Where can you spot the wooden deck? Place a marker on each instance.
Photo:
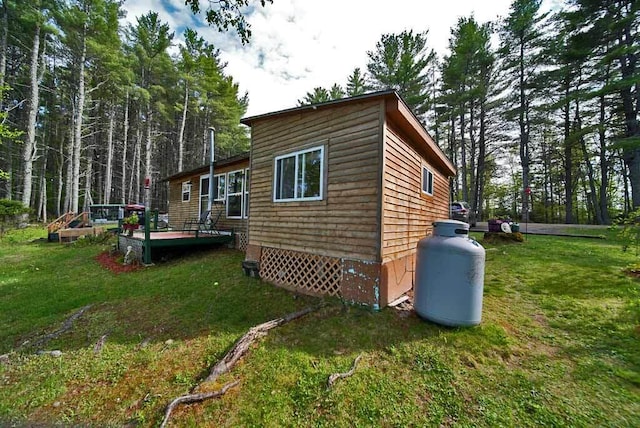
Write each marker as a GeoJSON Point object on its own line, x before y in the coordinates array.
{"type": "Point", "coordinates": [178, 238]}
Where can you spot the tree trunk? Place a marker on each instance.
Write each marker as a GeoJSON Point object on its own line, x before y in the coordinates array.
{"type": "Point", "coordinates": [30, 148]}
{"type": "Point", "coordinates": [42, 202]}
{"type": "Point", "coordinates": [182, 126]}
{"type": "Point", "coordinates": [604, 165]}
{"type": "Point", "coordinates": [134, 185]}
{"type": "Point", "coordinates": [109, 166]}
{"type": "Point", "coordinates": [472, 193]}
{"type": "Point", "coordinates": [463, 157]}
{"type": "Point", "coordinates": [60, 165]}
{"type": "Point", "coordinates": [77, 139]}
{"type": "Point", "coordinates": [524, 138]}
{"type": "Point", "coordinates": [148, 146]}
{"type": "Point", "coordinates": [482, 150]}
{"type": "Point", "coordinates": [3, 48]}
{"type": "Point", "coordinates": [88, 180]}
{"type": "Point", "coordinates": [631, 105]}
{"type": "Point", "coordinates": [568, 159]}
{"type": "Point", "coordinates": [592, 197]}
{"type": "Point", "coordinates": [68, 179]}
{"type": "Point", "coordinates": [125, 148]}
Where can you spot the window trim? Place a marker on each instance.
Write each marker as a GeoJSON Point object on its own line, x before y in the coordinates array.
{"type": "Point", "coordinates": [295, 184]}
{"type": "Point", "coordinates": [240, 194]}
{"type": "Point", "coordinates": [430, 180]}
{"type": "Point", "coordinates": [206, 193]}
{"type": "Point", "coordinates": [245, 202]}
{"type": "Point", "coordinates": [224, 188]}
{"type": "Point", "coordinates": [186, 185]}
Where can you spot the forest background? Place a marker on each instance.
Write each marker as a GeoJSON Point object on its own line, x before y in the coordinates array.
{"type": "Point", "coordinates": [539, 111]}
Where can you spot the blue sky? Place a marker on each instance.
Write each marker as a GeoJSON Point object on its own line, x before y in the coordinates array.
{"type": "Point", "coordinates": [300, 44]}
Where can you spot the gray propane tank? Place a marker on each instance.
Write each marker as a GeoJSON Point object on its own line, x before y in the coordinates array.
{"type": "Point", "coordinates": [449, 275]}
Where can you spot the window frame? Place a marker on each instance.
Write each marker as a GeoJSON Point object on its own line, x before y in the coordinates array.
{"type": "Point", "coordinates": [203, 194]}
{"type": "Point", "coordinates": [296, 171]}
{"type": "Point", "coordinates": [429, 174]}
{"type": "Point", "coordinates": [186, 190]}
{"type": "Point", "coordinates": [245, 195]}
{"type": "Point", "coordinates": [239, 194]}
{"type": "Point", "coordinates": [217, 188]}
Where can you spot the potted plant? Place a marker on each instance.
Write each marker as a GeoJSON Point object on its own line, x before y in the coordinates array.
{"type": "Point", "coordinates": [130, 223]}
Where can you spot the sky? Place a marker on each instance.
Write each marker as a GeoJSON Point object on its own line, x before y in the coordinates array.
{"type": "Point", "coordinates": [297, 45]}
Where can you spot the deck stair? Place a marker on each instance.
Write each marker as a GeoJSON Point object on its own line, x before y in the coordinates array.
{"type": "Point", "coordinates": [69, 225]}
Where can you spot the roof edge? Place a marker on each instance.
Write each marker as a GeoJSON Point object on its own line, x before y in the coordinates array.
{"type": "Point", "coordinates": [371, 95]}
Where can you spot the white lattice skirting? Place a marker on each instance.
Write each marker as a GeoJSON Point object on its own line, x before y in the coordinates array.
{"type": "Point", "coordinates": [309, 273]}
{"type": "Point", "coordinates": [241, 241]}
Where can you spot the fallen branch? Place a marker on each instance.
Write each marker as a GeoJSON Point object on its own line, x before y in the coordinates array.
{"type": "Point", "coordinates": [229, 360]}
{"type": "Point", "coordinates": [195, 398]}
{"type": "Point", "coordinates": [242, 345]}
{"type": "Point", "coordinates": [334, 377]}
{"type": "Point", "coordinates": [97, 348]}
{"type": "Point", "coordinates": [66, 326]}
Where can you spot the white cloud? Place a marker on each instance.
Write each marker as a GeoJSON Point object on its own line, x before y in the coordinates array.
{"type": "Point", "coordinates": [297, 45]}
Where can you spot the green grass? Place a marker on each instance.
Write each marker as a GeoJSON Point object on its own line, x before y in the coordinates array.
{"type": "Point", "coordinates": [558, 345]}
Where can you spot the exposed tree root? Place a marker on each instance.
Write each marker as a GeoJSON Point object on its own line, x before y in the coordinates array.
{"type": "Point", "coordinates": [195, 398]}
{"type": "Point", "coordinates": [66, 326]}
{"type": "Point", "coordinates": [230, 360]}
{"type": "Point", "coordinates": [334, 377]}
{"type": "Point", "coordinates": [242, 345]}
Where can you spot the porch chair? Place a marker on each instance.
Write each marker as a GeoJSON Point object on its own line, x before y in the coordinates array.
{"type": "Point", "coordinates": [201, 224]}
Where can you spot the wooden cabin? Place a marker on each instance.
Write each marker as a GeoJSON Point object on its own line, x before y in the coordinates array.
{"type": "Point", "coordinates": [189, 195]}
{"type": "Point", "coordinates": [341, 192]}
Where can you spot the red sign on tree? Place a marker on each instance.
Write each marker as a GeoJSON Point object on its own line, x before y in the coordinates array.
{"type": "Point", "coordinates": [527, 190]}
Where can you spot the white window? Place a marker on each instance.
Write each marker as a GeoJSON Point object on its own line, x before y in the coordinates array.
{"type": "Point", "coordinates": [299, 176]}
{"type": "Point", "coordinates": [186, 191]}
{"type": "Point", "coordinates": [427, 181]}
{"type": "Point", "coordinates": [219, 188]}
{"type": "Point", "coordinates": [204, 193]}
{"type": "Point", "coordinates": [235, 190]}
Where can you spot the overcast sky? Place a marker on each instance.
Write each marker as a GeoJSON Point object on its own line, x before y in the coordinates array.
{"type": "Point", "coordinates": [301, 44]}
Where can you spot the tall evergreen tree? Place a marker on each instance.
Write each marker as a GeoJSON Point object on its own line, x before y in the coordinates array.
{"type": "Point", "coordinates": [318, 95]}
{"type": "Point", "coordinates": [612, 30]}
{"type": "Point", "coordinates": [521, 39]}
{"type": "Point", "coordinates": [401, 62]}
{"type": "Point", "coordinates": [356, 83]}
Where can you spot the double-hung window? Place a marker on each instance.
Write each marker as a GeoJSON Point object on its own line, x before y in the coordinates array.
{"type": "Point", "coordinates": [299, 176]}
{"type": "Point", "coordinates": [186, 191]}
{"type": "Point", "coordinates": [427, 181]}
{"type": "Point", "coordinates": [204, 193]}
{"type": "Point", "coordinates": [235, 193]}
{"type": "Point", "coordinates": [219, 188]}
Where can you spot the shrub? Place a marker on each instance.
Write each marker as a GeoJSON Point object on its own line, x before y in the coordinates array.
{"type": "Point", "coordinates": [10, 212]}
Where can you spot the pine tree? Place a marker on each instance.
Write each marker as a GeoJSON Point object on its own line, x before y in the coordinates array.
{"type": "Point", "coordinates": [401, 62]}
{"type": "Point", "coordinates": [521, 39]}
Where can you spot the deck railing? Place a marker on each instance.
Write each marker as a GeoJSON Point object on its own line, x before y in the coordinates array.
{"type": "Point", "coordinates": [65, 219]}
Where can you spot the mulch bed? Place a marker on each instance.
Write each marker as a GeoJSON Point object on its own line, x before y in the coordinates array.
{"type": "Point", "coordinates": [113, 262]}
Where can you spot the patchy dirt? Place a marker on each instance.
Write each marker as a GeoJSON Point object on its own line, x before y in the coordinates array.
{"type": "Point", "coordinates": [633, 272]}
{"type": "Point", "coordinates": [113, 262]}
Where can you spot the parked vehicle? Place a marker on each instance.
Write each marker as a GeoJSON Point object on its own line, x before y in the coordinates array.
{"type": "Point", "coordinates": [461, 211]}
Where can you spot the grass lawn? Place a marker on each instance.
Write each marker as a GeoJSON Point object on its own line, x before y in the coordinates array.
{"type": "Point", "coordinates": [559, 344]}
